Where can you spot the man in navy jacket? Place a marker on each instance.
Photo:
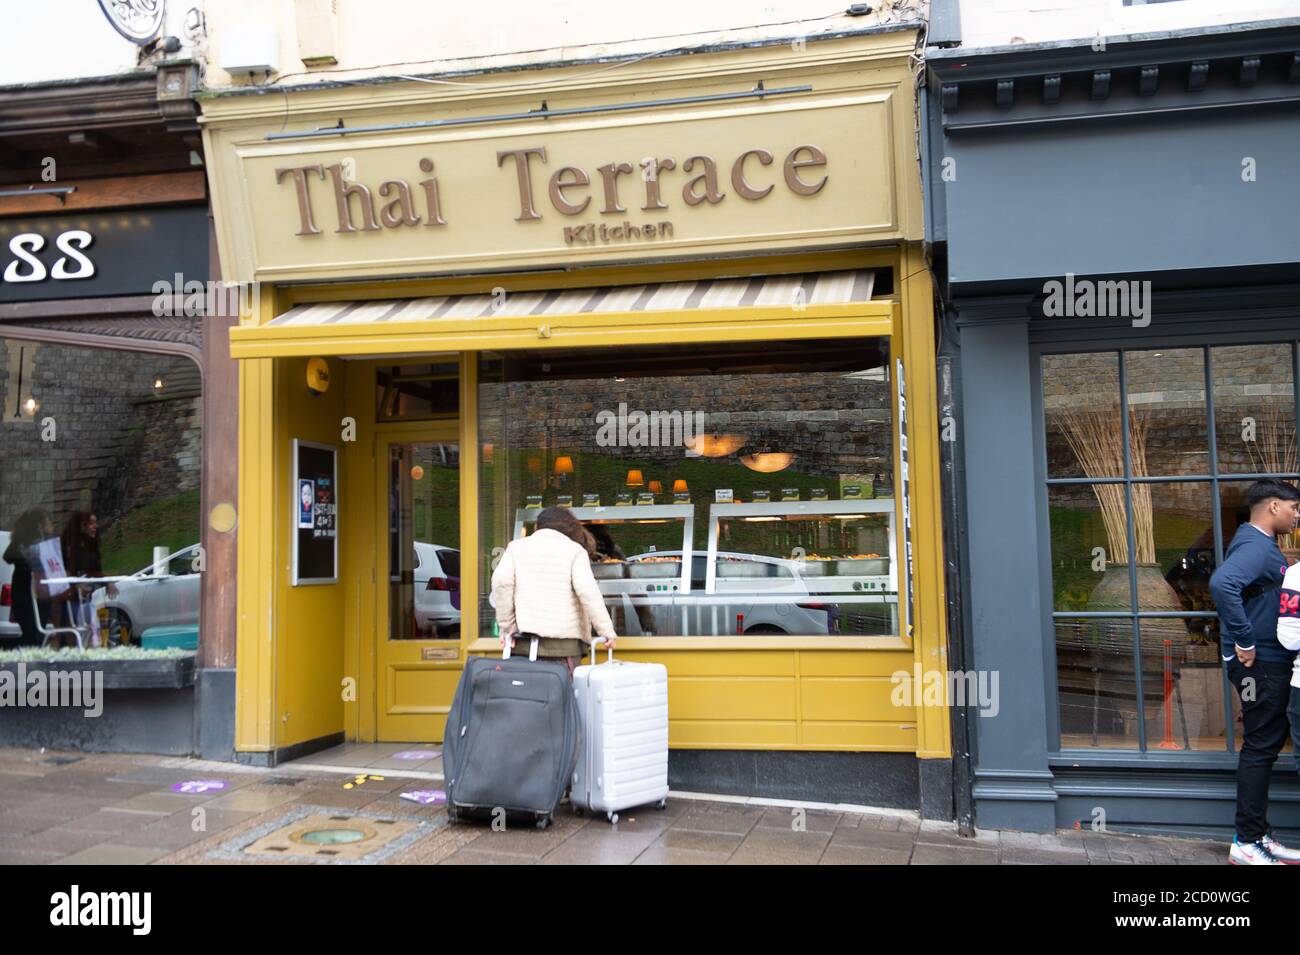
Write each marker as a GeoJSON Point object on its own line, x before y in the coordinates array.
{"type": "Point", "coordinates": [1247, 589]}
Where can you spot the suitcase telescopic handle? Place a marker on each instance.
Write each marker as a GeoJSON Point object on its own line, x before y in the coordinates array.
{"type": "Point", "coordinates": [510, 640]}
{"type": "Point", "coordinates": [608, 648]}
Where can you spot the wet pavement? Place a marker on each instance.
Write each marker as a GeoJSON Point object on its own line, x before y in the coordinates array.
{"type": "Point", "coordinates": [344, 806]}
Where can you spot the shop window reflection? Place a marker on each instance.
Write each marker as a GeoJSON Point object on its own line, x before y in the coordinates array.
{"type": "Point", "coordinates": [732, 489]}
{"type": "Point", "coordinates": [117, 493]}
{"type": "Point", "coordinates": [1142, 669]}
{"type": "Point", "coordinates": [1254, 409]}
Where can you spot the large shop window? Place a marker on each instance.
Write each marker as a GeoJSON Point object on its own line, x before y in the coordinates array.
{"type": "Point", "coordinates": [101, 453]}
{"type": "Point", "coordinates": [731, 489]}
{"type": "Point", "coordinates": [1149, 455]}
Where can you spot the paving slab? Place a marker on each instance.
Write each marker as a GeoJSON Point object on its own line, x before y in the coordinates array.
{"type": "Point", "coordinates": [110, 854]}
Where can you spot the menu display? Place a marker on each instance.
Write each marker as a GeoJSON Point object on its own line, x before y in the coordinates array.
{"type": "Point", "coordinates": [315, 535]}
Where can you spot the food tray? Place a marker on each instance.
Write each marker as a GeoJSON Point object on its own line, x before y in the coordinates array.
{"type": "Point", "coordinates": [745, 568]}
{"type": "Point", "coordinates": [610, 571]}
{"type": "Point", "coordinates": [659, 569]}
{"type": "Point", "coordinates": [862, 567]}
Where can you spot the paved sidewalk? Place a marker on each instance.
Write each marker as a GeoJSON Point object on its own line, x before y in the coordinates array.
{"type": "Point", "coordinates": [60, 807]}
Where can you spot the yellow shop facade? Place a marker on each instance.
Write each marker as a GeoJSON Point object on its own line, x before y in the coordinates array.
{"type": "Point", "coordinates": [684, 296]}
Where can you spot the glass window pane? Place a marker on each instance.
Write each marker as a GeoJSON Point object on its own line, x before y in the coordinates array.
{"type": "Point", "coordinates": [1096, 688]}
{"type": "Point", "coordinates": [1167, 417]}
{"type": "Point", "coordinates": [1089, 544]}
{"type": "Point", "coordinates": [115, 493]}
{"type": "Point", "coordinates": [417, 391]}
{"type": "Point", "coordinates": [1081, 408]}
{"type": "Point", "coordinates": [1254, 409]}
{"type": "Point", "coordinates": [1182, 686]}
{"type": "Point", "coordinates": [1183, 525]}
{"type": "Point", "coordinates": [424, 541]}
{"type": "Point", "coordinates": [783, 457]}
{"type": "Point", "coordinates": [1234, 511]}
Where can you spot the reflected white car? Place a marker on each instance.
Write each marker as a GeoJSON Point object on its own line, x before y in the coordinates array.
{"type": "Point", "coordinates": [9, 631]}
{"type": "Point", "coordinates": [437, 590]}
{"type": "Point", "coordinates": [166, 598]}
{"type": "Point", "coordinates": [779, 603]}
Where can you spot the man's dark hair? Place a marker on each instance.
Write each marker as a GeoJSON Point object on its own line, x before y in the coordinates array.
{"type": "Point", "coordinates": [1261, 491]}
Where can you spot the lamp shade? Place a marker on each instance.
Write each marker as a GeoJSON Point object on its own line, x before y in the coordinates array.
{"type": "Point", "coordinates": [564, 464]}
{"type": "Point", "coordinates": [634, 478]}
{"type": "Point", "coordinates": [679, 486]}
{"type": "Point", "coordinates": [767, 462]}
{"type": "Point", "coordinates": [714, 445]}
{"type": "Point", "coordinates": [656, 487]}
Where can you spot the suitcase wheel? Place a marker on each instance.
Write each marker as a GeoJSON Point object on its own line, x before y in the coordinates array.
{"type": "Point", "coordinates": [662, 804]}
{"type": "Point", "coordinates": [578, 810]}
{"type": "Point", "coordinates": [612, 817]}
{"type": "Point", "coordinates": [543, 821]}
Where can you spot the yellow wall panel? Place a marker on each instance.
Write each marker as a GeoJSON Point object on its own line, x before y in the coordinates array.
{"type": "Point", "coordinates": [851, 698]}
{"type": "Point", "coordinates": [747, 698]}
{"type": "Point", "coordinates": [309, 620]}
{"type": "Point", "coordinates": [723, 734]}
{"type": "Point", "coordinates": [854, 663]}
{"type": "Point", "coordinates": [738, 663]}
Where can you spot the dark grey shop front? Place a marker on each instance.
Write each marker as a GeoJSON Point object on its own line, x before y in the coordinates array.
{"type": "Point", "coordinates": [1115, 233]}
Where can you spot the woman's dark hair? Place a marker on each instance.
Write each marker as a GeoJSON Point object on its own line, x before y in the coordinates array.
{"type": "Point", "coordinates": [27, 529]}
{"type": "Point", "coordinates": [80, 550]}
{"type": "Point", "coordinates": [561, 519]}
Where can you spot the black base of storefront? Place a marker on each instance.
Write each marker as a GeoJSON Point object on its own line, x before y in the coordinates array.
{"type": "Point", "coordinates": [157, 721]}
{"type": "Point", "coordinates": [215, 699]}
{"type": "Point", "coordinates": [1198, 802]}
{"type": "Point", "coordinates": [886, 780]}
{"type": "Point", "coordinates": [275, 757]}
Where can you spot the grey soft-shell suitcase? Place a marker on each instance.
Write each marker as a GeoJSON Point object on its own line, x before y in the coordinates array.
{"type": "Point", "coordinates": [512, 739]}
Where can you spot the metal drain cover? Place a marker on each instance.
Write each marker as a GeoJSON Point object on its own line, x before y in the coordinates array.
{"type": "Point", "coordinates": [332, 837]}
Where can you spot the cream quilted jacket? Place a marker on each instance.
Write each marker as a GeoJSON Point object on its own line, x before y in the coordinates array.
{"type": "Point", "coordinates": [544, 585]}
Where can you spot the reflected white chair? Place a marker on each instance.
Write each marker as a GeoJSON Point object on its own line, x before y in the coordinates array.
{"type": "Point", "coordinates": [48, 630]}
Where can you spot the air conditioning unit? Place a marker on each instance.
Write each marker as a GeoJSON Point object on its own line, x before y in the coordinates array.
{"type": "Point", "coordinates": [250, 51]}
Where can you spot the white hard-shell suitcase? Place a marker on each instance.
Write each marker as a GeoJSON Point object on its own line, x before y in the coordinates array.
{"type": "Point", "coordinates": [623, 754]}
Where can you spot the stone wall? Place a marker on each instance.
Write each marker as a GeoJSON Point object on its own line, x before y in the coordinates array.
{"type": "Point", "coordinates": [833, 424]}
{"type": "Point", "coordinates": [1253, 404]}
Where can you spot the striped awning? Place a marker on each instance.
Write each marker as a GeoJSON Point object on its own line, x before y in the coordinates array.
{"type": "Point", "coordinates": [803, 289]}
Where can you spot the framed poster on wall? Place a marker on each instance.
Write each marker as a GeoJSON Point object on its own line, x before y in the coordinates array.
{"type": "Point", "coordinates": [315, 510]}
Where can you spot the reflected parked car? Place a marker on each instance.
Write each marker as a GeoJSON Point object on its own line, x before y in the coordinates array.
{"type": "Point", "coordinates": [167, 597]}
{"type": "Point", "coordinates": [775, 600]}
{"type": "Point", "coordinates": [437, 590]}
{"type": "Point", "coordinates": [9, 631]}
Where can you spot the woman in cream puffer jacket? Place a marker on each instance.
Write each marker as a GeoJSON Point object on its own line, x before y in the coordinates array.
{"type": "Point", "coordinates": [543, 586]}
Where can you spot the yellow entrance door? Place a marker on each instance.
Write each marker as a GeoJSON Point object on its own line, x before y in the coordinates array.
{"type": "Point", "coordinates": [419, 600]}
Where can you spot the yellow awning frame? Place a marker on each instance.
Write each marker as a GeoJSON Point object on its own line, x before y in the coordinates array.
{"type": "Point", "coordinates": [259, 336]}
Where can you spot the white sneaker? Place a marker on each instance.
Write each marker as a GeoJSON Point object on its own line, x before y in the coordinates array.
{"type": "Point", "coordinates": [1280, 852]}
{"type": "Point", "coordinates": [1251, 853]}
